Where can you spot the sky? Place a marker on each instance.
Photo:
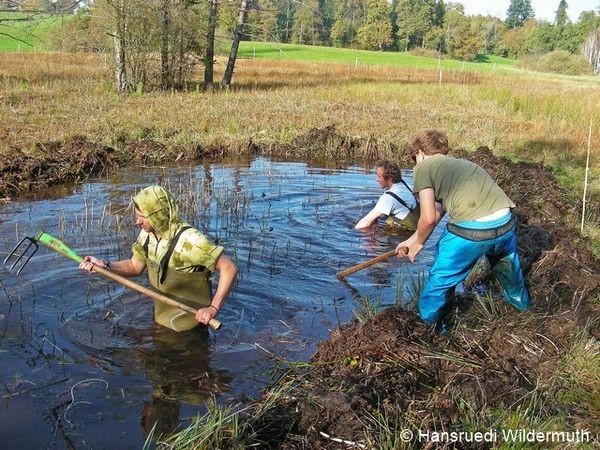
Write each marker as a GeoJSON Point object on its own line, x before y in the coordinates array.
{"type": "Point", "coordinates": [543, 9]}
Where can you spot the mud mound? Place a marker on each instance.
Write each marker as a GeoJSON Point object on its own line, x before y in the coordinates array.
{"type": "Point", "coordinates": [493, 359]}
{"type": "Point", "coordinates": [327, 141]}
{"type": "Point", "coordinates": [151, 152]}
{"type": "Point", "coordinates": [532, 187]}
{"type": "Point", "coordinates": [56, 162]}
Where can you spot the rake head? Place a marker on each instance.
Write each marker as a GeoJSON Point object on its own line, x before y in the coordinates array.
{"type": "Point", "coordinates": [21, 254]}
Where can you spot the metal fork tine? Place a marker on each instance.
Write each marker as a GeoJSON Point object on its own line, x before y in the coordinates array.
{"type": "Point", "coordinates": [19, 256]}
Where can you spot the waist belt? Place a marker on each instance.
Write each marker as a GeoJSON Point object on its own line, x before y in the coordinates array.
{"type": "Point", "coordinates": [482, 235]}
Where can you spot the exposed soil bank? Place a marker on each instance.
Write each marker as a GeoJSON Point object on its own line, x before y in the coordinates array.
{"type": "Point", "coordinates": [77, 158]}
{"type": "Point", "coordinates": [495, 362]}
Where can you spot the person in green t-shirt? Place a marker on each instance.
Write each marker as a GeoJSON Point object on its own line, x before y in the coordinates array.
{"type": "Point", "coordinates": [180, 261]}
{"type": "Point", "coordinates": [480, 223]}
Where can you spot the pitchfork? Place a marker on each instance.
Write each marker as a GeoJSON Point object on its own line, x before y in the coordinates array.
{"type": "Point", "coordinates": [25, 250]}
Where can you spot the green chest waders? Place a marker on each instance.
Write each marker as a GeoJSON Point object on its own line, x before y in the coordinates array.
{"type": "Point", "coordinates": [412, 218]}
{"type": "Point", "coordinates": [408, 223]}
{"type": "Point", "coordinates": [192, 289]}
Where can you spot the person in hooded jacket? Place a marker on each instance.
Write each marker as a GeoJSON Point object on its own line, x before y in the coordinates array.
{"type": "Point", "coordinates": [179, 259]}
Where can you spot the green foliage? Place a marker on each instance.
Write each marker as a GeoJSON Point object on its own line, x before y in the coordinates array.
{"type": "Point", "coordinates": [368, 307]}
{"type": "Point", "coordinates": [375, 36]}
{"type": "Point", "coordinates": [414, 19]}
{"type": "Point", "coordinates": [348, 17]}
{"type": "Point", "coordinates": [376, 33]}
{"type": "Point", "coordinates": [307, 23]}
{"type": "Point", "coordinates": [518, 41]}
{"type": "Point", "coordinates": [519, 12]}
{"type": "Point", "coordinates": [559, 61]}
{"type": "Point", "coordinates": [561, 14]}
{"type": "Point", "coordinates": [262, 23]}
{"type": "Point", "coordinates": [461, 40]}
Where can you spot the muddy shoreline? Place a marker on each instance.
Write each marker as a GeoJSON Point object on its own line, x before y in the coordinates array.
{"type": "Point", "coordinates": [76, 158]}
{"type": "Point", "coordinates": [495, 359]}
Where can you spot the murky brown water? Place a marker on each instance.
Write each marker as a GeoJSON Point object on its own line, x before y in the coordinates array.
{"type": "Point", "coordinates": [82, 364]}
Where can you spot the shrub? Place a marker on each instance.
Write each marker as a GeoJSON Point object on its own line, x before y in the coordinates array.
{"type": "Point", "coordinates": [428, 53]}
{"type": "Point", "coordinates": [559, 61]}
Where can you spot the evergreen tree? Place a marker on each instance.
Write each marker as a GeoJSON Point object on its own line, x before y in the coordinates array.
{"type": "Point", "coordinates": [561, 14]}
{"type": "Point", "coordinates": [349, 16]}
{"type": "Point", "coordinates": [519, 11]}
{"type": "Point", "coordinates": [327, 8]}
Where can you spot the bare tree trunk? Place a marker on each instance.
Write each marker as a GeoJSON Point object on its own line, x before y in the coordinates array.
{"type": "Point", "coordinates": [165, 72]}
{"type": "Point", "coordinates": [120, 49]}
{"type": "Point", "coordinates": [182, 61]}
{"type": "Point", "coordinates": [591, 49]}
{"type": "Point", "coordinates": [237, 36]}
{"type": "Point", "coordinates": [209, 58]}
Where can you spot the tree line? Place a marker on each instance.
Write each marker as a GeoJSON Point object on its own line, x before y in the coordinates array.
{"type": "Point", "coordinates": [158, 42]}
{"type": "Point", "coordinates": [405, 25]}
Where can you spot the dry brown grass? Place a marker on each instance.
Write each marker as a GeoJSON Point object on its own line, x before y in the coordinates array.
{"type": "Point", "coordinates": [48, 97]}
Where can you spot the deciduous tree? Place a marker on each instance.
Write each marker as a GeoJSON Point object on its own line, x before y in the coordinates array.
{"type": "Point", "coordinates": [308, 23]}
{"type": "Point", "coordinates": [376, 33]}
{"type": "Point", "coordinates": [414, 19]}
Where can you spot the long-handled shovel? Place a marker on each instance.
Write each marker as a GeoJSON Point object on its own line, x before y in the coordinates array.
{"type": "Point", "coordinates": [344, 273]}
{"type": "Point", "coordinates": [28, 246]}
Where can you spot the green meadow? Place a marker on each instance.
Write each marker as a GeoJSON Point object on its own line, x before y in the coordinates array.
{"type": "Point", "coordinates": [309, 53]}
{"type": "Point", "coordinates": [24, 32]}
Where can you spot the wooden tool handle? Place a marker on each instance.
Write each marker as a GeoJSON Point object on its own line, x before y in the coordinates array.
{"type": "Point", "coordinates": [370, 262]}
{"type": "Point", "coordinates": [213, 323]}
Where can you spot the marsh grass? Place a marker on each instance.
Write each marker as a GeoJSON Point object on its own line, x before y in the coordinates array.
{"type": "Point", "coordinates": [367, 307]}
{"type": "Point", "coordinates": [578, 375]}
{"type": "Point", "coordinates": [409, 288]}
{"type": "Point", "coordinates": [384, 432]}
{"type": "Point", "coordinates": [47, 97]}
{"type": "Point", "coordinates": [224, 426]}
{"type": "Point", "coordinates": [217, 428]}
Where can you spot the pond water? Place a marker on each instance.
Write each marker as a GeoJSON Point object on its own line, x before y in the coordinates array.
{"type": "Point", "coordinates": [82, 364]}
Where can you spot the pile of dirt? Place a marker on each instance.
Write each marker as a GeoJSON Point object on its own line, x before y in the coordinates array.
{"type": "Point", "coordinates": [76, 159]}
{"type": "Point", "coordinates": [492, 360]}
{"type": "Point", "coordinates": [328, 141]}
{"type": "Point", "coordinates": [55, 162]}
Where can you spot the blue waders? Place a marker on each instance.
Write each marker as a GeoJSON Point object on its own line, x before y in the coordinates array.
{"type": "Point", "coordinates": [456, 257]}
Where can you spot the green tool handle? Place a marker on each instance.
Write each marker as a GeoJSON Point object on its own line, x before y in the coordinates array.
{"type": "Point", "coordinates": [58, 246]}
{"type": "Point", "coordinates": [63, 249]}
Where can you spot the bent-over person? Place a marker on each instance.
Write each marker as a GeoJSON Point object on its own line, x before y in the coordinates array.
{"type": "Point", "coordinates": [397, 203]}
{"type": "Point", "coordinates": [480, 223]}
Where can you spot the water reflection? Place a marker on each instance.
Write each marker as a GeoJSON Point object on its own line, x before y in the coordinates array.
{"type": "Point", "coordinates": [178, 368]}
{"type": "Point", "coordinates": [287, 226]}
